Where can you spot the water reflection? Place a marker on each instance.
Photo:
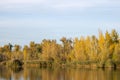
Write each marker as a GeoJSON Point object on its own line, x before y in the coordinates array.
{"type": "Point", "coordinates": [58, 74]}
{"type": "Point", "coordinates": [16, 70]}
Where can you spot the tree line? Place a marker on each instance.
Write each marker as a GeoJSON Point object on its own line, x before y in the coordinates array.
{"type": "Point", "coordinates": [90, 49]}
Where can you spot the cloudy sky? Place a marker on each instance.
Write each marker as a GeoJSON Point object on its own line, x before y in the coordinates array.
{"type": "Point", "coordinates": [22, 21]}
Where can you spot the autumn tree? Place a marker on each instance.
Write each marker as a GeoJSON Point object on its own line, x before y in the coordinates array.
{"type": "Point", "coordinates": [79, 49]}
{"type": "Point", "coordinates": [17, 53]}
{"type": "Point", "coordinates": [25, 52]}
{"type": "Point", "coordinates": [7, 52]}
{"type": "Point", "coordinates": [50, 50]}
{"type": "Point", "coordinates": [116, 54]}
{"type": "Point", "coordinates": [66, 48]}
{"type": "Point", "coordinates": [102, 49]}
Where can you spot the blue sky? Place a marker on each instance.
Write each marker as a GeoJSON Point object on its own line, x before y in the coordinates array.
{"type": "Point", "coordinates": [22, 21]}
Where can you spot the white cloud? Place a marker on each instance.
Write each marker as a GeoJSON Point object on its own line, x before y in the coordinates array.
{"type": "Point", "coordinates": [22, 23]}
{"type": "Point", "coordinates": [78, 4]}
{"type": "Point", "coordinates": [56, 4]}
{"type": "Point", "coordinates": [21, 1]}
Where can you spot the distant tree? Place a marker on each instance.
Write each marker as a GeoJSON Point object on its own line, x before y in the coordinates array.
{"type": "Point", "coordinates": [79, 47]}
{"type": "Point", "coordinates": [50, 49]}
{"type": "Point", "coordinates": [94, 48]}
{"type": "Point", "coordinates": [17, 53]}
{"type": "Point", "coordinates": [17, 48]}
{"type": "Point", "coordinates": [66, 48]}
{"type": "Point", "coordinates": [10, 46]}
{"type": "Point", "coordinates": [7, 52]}
{"type": "Point", "coordinates": [25, 52]}
{"type": "Point", "coordinates": [32, 50]}
{"type": "Point", "coordinates": [102, 49]}
{"type": "Point", "coordinates": [116, 55]}
{"type": "Point", "coordinates": [114, 36]}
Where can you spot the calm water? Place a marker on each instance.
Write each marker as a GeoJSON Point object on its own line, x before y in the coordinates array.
{"type": "Point", "coordinates": [58, 74]}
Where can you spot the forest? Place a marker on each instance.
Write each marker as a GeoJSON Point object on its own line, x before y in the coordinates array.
{"type": "Point", "coordinates": [100, 51]}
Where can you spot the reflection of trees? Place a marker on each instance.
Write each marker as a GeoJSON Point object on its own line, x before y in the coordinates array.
{"type": "Point", "coordinates": [16, 69]}
{"type": "Point", "coordinates": [58, 74]}
{"type": "Point", "coordinates": [32, 73]}
{"type": "Point", "coordinates": [17, 73]}
{"type": "Point", "coordinates": [5, 73]}
{"type": "Point", "coordinates": [70, 74]}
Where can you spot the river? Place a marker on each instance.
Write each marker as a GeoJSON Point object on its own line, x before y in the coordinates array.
{"type": "Point", "coordinates": [58, 74]}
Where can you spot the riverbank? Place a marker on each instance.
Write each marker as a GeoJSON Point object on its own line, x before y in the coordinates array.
{"type": "Point", "coordinates": [52, 64]}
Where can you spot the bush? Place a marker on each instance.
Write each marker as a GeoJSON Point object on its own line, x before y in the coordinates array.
{"type": "Point", "coordinates": [110, 64]}
{"type": "Point", "coordinates": [16, 63]}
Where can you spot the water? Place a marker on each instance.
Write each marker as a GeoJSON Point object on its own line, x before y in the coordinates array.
{"type": "Point", "coordinates": [58, 74]}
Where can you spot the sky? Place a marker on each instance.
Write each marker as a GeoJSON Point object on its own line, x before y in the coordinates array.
{"type": "Point", "coordinates": [22, 21]}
